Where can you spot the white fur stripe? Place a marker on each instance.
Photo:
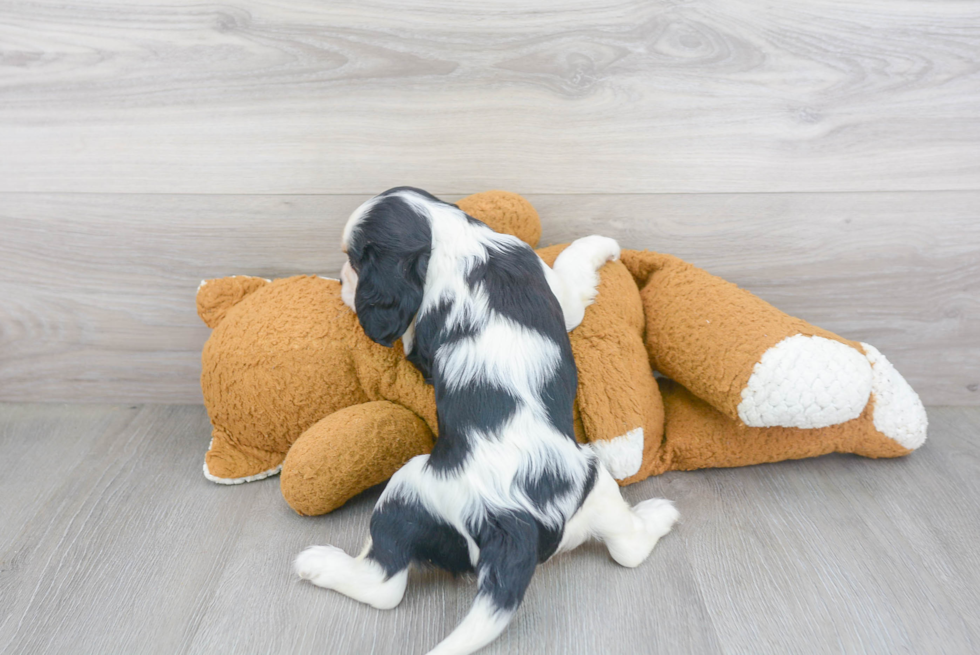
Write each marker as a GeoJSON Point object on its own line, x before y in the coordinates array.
{"type": "Point", "coordinates": [622, 455]}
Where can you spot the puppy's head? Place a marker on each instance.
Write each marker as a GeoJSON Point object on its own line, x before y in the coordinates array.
{"type": "Point", "coordinates": [388, 241]}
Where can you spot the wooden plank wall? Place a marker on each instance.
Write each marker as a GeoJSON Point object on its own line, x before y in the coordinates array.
{"type": "Point", "coordinates": [824, 154]}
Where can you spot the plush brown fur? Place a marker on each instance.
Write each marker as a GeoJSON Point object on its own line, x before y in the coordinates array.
{"type": "Point", "coordinates": [387, 435]}
{"type": "Point", "coordinates": [290, 378]}
{"type": "Point", "coordinates": [700, 436]}
{"type": "Point", "coordinates": [707, 333]}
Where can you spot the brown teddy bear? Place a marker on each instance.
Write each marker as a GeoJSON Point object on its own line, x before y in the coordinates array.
{"type": "Point", "coordinates": [292, 383]}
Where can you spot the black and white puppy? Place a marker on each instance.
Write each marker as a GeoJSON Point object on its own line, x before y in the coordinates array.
{"type": "Point", "coordinates": [506, 485]}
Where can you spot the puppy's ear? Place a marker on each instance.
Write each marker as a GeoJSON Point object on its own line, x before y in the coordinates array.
{"type": "Point", "coordinates": [389, 292]}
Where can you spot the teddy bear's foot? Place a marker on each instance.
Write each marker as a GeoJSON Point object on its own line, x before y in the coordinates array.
{"type": "Point", "coordinates": [622, 455]}
{"type": "Point", "coordinates": [261, 475]}
{"type": "Point", "coordinates": [806, 382]}
{"type": "Point", "coordinates": [898, 411]}
{"type": "Point", "coordinates": [228, 463]}
{"type": "Point", "coordinates": [359, 578]}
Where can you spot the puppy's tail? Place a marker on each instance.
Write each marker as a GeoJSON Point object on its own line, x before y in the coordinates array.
{"type": "Point", "coordinates": [508, 556]}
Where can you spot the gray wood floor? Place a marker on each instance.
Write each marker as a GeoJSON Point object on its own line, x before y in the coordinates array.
{"type": "Point", "coordinates": [112, 541]}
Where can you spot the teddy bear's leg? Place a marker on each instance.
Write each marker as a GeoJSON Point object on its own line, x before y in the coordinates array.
{"type": "Point", "coordinates": [349, 451]}
{"type": "Point", "coordinates": [699, 436]}
{"type": "Point", "coordinates": [574, 279]}
{"type": "Point", "coordinates": [742, 355]}
{"type": "Point", "coordinates": [229, 463]}
{"type": "Point", "coordinates": [630, 533]}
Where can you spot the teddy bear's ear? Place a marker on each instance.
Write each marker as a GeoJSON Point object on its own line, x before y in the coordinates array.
{"type": "Point", "coordinates": [505, 212]}
{"type": "Point", "coordinates": [216, 297]}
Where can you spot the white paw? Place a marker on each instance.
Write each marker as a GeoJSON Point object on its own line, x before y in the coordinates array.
{"type": "Point", "coordinates": [597, 250]}
{"type": "Point", "coordinates": [658, 515]}
{"type": "Point", "coordinates": [652, 519]}
{"type": "Point", "coordinates": [579, 263]}
{"type": "Point", "coordinates": [321, 565]}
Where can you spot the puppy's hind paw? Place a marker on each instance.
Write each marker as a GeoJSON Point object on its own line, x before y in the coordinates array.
{"type": "Point", "coordinates": [652, 519]}
{"type": "Point", "coordinates": [658, 516]}
{"type": "Point", "coordinates": [321, 565]}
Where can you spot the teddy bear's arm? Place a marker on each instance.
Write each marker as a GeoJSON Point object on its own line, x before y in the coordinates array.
{"type": "Point", "coordinates": [215, 297]}
{"type": "Point", "coordinates": [349, 451]}
{"type": "Point", "coordinates": [618, 402]}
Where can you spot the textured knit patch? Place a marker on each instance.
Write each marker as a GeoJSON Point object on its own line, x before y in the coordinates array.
{"type": "Point", "coordinates": [899, 413]}
{"type": "Point", "coordinates": [806, 382]}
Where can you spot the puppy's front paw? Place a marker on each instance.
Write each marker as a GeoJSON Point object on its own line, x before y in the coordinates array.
{"type": "Point", "coordinates": [321, 565]}
{"type": "Point", "coordinates": [578, 265]}
{"type": "Point", "coordinates": [597, 250]}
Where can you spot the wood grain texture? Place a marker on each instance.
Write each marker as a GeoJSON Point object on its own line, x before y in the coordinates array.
{"type": "Point", "coordinates": [127, 548]}
{"type": "Point", "coordinates": [299, 96]}
{"type": "Point", "coordinates": [27, 436]}
{"type": "Point", "coordinates": [122, 556]}
{"type": "Point", "coordinates": [99, 289]}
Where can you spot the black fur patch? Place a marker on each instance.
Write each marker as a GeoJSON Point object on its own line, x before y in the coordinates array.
{"type": "Point", "coordinates": [508, 542]}
{"type": "Point", "coordinates": [389, 250]}
{"type": "Point", "coordinates": [430, 334]}
{"type": "Point", "coordinates": [544, 490]}
{"type": "Point", "coordinates": [516, 287]}
{"type": "Point", "coordinates": [475, 406]}
{"type": "Point", "coordinates": [558, 393]}
{"type": "Point", "coordinates": [589, 481]}
{"type": "Point", "coordinates": [403, 531]}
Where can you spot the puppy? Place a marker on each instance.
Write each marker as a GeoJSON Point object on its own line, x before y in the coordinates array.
{"type": "Point", "coordinates": [506, 485]}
